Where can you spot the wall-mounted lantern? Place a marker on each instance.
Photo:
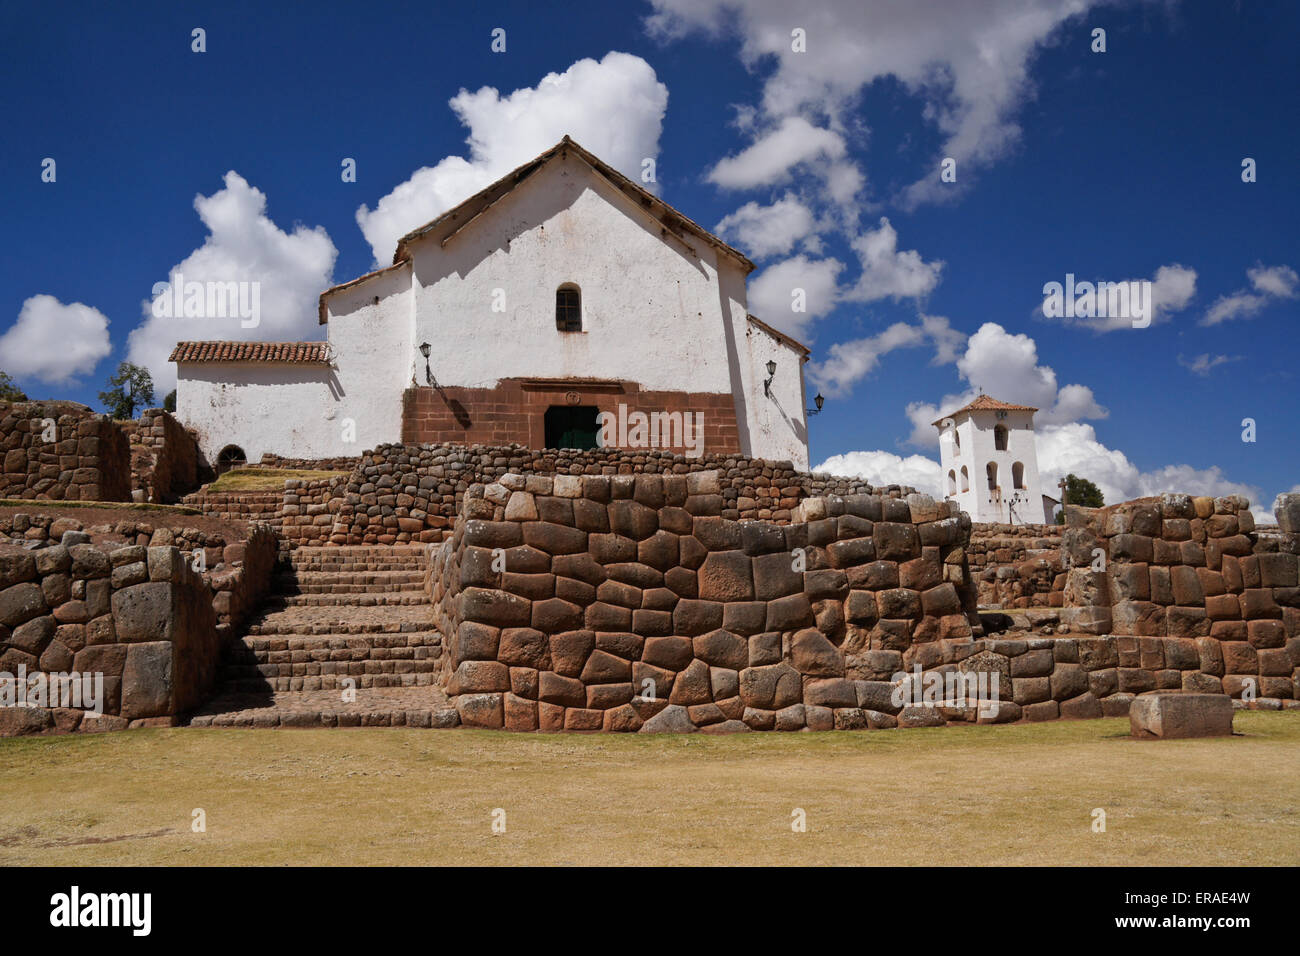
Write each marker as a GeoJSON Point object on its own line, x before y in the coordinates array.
{"type": "Point", "coordinates": [818, 401]}
{"type": "Point", "coordinates": [771, 374]}
{"type": "Point", "coordinates": [428, 374]}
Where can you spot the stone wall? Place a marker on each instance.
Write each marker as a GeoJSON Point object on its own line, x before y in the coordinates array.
{"type": "Point", "coordinates": [403, 493]}
{"type": "Point", "coordinates": [62, 451]}
{"type": "Point", "coordinates": [1017, 566]}
{"type": "Point", "coordinates": [165, 459]}
{"type": "Point", "coordinates": [139, 616]}
{"type": "Point", "coordinates": [630, 602]}
{"type": "Point", "coordinates": [270, 460]}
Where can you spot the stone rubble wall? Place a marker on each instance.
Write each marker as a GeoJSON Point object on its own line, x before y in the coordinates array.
{"type": "Point", "coordinates": [138, 615]}
{"type": "Point", "coordinates": [405, 493]}
{"type": "Point", "coordinates": [88, 459]}
{"type": "Point", "coordinates": [565, 598]}
{"type": "Point", "coordinates": [166, 462]}
{"type": "Point", "coordinates": [1018, 566]}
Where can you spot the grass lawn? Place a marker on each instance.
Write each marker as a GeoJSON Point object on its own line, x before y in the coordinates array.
{"type": "Point", "coordinates": [38, 505]}
{"type": "Point", "coordinates": [267, 479]}
{"type": "Point", "coordinates": [1020, 794]}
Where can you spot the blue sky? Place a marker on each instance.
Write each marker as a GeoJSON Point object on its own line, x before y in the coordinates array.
{"type": "Point", "coordinates": [1113, 166]}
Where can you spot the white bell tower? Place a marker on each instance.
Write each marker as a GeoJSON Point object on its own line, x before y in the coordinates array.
{"type": "Point", "coordinates": [990, 466]}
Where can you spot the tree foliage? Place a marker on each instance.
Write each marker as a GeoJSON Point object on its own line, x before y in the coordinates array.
{"type": "Point", "coordinates": [1080, 491]}
{"type": "Point", "coordinates": [130, 389]}
{"type": "Point", "coordinates": [9, 392]}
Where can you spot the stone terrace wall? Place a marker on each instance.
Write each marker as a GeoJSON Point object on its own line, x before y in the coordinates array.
{"type": "Point", "coordinates": [86, 458]}
{"type": "Point", "coordinates": [402, 493]}
{"type": "Point", "coordinates": [613, 585]}
{"type": "Point", "coordinates": [1193, 569]}
{"type": "Point", "coordinates": [139, 616]}
{"type": "Point", "coordinates": [165, 459]}
{"type": "Point", "coordinates": [270, 460]}
{"type": "Point", "coordinates": [1018, 566]}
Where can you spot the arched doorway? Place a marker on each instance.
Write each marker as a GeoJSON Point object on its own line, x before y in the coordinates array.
{"type": "Point", "coordinates": [232, 456]}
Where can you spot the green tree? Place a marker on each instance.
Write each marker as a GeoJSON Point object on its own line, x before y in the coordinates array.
{"type": "Point", "coordinates": [1080, 491]}
{"type": "Point", "coordinates": [9, 392]}
{"type": "Point", "coordinates": [169, 403]}
{"type": "Point", "coordinates": [130, 389]}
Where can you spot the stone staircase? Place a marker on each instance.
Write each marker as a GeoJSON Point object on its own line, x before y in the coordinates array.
{"type": "Point", "coordinates": [338, 619]}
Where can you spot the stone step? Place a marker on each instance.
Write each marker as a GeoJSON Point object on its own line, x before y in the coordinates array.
{"type": "Point", "coordinates": [367, 576]}
{"type": "Point", "coordinates": [290, 587]}
{"type": "Point", "coordinates": [347, 646]}
{"type": "Point", "coordinates": [334, 670]}
{"type": "Point", "coordinates": [375, 705]}
{"type": "Point", "coordinates": [383, 599]}
{"type": "Point", "coordinates": [345, 619]}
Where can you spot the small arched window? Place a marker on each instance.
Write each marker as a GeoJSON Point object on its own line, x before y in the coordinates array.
{"type": "Point", "coordinates": [1000, 438]}
{"type": "Point", "coordinates": [965, 479]}
{"type": "Point", "coordinates": [992, 470]}
{"type": "Point", "coordinates": [1018, 475]}
{"type": "Point", "coordinates": [568, 308]}
{"type": "Point", "coordinates": [952, 482]}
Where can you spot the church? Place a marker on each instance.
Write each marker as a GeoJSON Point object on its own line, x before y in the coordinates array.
{"type": "Point", "coordinates": [560, 299]}
{"type": "Point", "coordinates": [990, 463]}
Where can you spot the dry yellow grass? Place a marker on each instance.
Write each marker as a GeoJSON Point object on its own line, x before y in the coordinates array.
{"type": "Point", "coordinates": [1021, 794]}
{"type": "Point", "coordinates": [266, 479]}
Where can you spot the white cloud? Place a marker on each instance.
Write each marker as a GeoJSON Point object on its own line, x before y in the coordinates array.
{"type": "Point", "coordinates": [886, 468]}
{"type": "Point", "coordinates": [848, 362]}
{"type": "Point", "coordinates": [613, 107]}
{"type": "Point", "coordinates": [291, 269]}
{"type": "Point", "coordinates": [771, 292]}
{"type": "Point", "coordinates": [771, 158]}
{"type": "Point", "coordinates": [968, 63]}
{"type": "Point", "coordinates": [54, 343]}
{"type": "Point", "coordinates": [1172, 288]}
{"type": "Point", "coordinates": [1203, 363]}
{"type": "Point", "coordinates": [762, 231]}
{"type": "Point", "coordinates": [1277, 281]}
{"type": "Point", "coordinates": [1271, 283]}
{"type": "Point", "coordinates": [888, 273]}
{"type": "Point", "coordinates": [1075, 448]}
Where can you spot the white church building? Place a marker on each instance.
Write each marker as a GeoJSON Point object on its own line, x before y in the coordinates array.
{"type": "Point", "coordinates": [561, 291]}
{"type": "Point", "coordinates": [989, 462]}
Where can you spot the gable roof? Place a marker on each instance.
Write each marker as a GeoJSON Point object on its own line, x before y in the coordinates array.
{"type": "Point", "coordinates": [780, 336]}
{"type": "Point", "coordinates": [984, 403]}
{"type": "Point", "coordinates": [669, 217]}
{"type": "Point", "coordinates": [294, 353]}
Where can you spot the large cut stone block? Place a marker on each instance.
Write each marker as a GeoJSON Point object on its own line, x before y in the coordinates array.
{"type": "Point", "coordinates": [1181, 715]}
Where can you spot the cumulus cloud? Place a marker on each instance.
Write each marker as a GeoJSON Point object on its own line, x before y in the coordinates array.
{"type": "Point", "coordinates": [790, 144]}
{"type": "Point", "coordinates": [1271, 283]}
{"type": "Point", "coordinates": [1006, 366]}
{"type": "Point", "coordinates": [967, 63]}
{"type": "Point", "coordinates": [54, 343]}
{"type": "Point", "coordinates": [763, 231]}
{"type": "Point", "coordinates": [1172, 288]}
{"type": "Point", "coordinates": [288, 270]}
{"type": "Point", "coordinates": [773, 292]}
{"type": "Point", "coordinates": [888, 273]}
{"type": "Point", "coordinates": [849, 362]}
{"type": "Point", "coordinates": [613, 107]}
{"type": "Point", "coordinates": [886, 468]}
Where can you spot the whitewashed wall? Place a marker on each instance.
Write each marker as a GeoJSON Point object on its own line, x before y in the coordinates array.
{"type": "Point", "coordinates": [977, 448]}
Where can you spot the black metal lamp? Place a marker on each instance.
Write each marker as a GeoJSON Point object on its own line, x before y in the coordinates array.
{"type": "Point", "coordinates": [819, 401]}
{"type": "Point", "coordinates": [428, 374]}
{"type": "Point", "coordinates": [771, 374]}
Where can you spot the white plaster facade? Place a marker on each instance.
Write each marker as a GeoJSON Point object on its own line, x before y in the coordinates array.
{"type": "Point", "coordinates": [663, 305]}
{"type": "Point", "coordinates": [990, 464]}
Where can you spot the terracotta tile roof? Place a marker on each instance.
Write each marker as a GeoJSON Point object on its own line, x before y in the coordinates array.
{"type": "Point", "coordinates": [984, 403]}
{"type": "Point", "coordinates": [298, 353]}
